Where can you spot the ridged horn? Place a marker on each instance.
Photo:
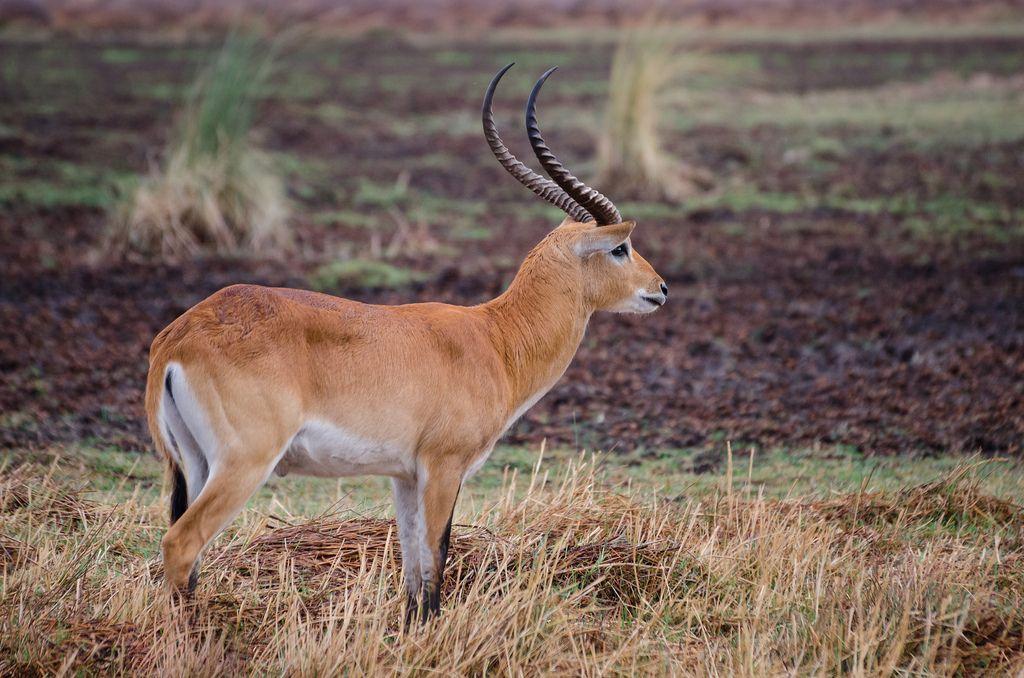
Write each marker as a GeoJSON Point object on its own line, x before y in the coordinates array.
{"type": "Point", "coordinates": [601, 207]}
{"type": "Point", "coordinates": [545, 188]}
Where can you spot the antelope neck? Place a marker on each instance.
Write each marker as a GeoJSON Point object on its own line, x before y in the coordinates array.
{"type": "Point", "coordinates": [536, 325]}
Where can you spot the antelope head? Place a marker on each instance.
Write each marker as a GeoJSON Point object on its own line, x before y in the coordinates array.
{"type": "Point", "coordinates": [592, 245]}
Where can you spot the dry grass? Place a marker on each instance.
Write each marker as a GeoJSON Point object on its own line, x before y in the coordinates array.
{"type": "Point", "coordinates": [217, 192]}
{"type": "Point", "coordinates": [633, 161]}
{"type": "Point", "coordinates": [564, 575]}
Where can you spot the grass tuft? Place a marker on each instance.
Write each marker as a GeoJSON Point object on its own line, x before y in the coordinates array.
{"type": "Point", "coordinates": [217, 192]}
{"type": "Point", "coordinates": [633, 162]}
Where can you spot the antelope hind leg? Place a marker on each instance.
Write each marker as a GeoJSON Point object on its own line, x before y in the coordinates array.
{"type": "Point", "coordinates": [221, 500]}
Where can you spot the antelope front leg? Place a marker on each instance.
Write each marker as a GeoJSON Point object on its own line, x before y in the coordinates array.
{"type": "Point", "coordinates": [439, 486]}
{"type": "Point", "coordinates": [407, 515]}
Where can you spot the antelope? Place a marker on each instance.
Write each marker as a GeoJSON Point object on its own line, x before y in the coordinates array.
{"type": "Point", "coordinates": [256, 380]}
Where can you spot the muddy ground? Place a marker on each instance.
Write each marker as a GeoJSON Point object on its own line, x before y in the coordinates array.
{"type": "Point", "coordinates": [791, 322]}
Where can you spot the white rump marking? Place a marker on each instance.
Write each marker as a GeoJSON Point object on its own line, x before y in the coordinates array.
{"type": "Point", "coordinates": [182, 420]}
{"type": "Point", "coordinates": [192, 412]}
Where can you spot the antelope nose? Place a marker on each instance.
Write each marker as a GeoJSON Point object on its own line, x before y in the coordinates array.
{"type": "Point", "coordinates": [664, 289]}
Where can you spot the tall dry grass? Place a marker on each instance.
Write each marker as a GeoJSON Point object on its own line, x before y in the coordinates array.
{"type": "Point", "coordinates": [562, 575]}
{"type": "Point", "coordinates": [632, 158]}
{"type": "Point", "coordinates": [216, 191]}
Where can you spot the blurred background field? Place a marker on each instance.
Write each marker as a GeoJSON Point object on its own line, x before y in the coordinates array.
{"type": "Point", "coordinates": [850, 274]}
{"type": "Point", "coordinates": [843, 237]}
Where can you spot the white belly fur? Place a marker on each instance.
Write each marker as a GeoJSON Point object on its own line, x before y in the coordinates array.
{"type": "Point", "coordinates": [323, 449]}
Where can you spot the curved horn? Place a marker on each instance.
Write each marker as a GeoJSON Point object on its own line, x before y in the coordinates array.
{"type": "Point", "coordinates": [545, 188]}
{"type": "Point", "coordinates": [595, 203]}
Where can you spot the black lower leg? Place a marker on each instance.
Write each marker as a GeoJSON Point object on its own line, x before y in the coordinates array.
{"type": "Point", "coordinates": [193, 577]}
{"type": "Point", "coordinates": [445, 539]}
{"type": "Point", "coordinates": [412, 606]}
{"type": "Point", "coordinates": [430, 600]}
{"type": "Point", "coordinates": [432, 590]}
{"type": "Point", "coordinates": [426, 603]}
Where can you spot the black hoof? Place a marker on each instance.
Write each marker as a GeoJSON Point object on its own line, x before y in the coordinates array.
{"type": "Point", "coordinates": [423, 607]}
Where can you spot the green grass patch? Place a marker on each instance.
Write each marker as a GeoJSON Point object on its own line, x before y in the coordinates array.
{"type": "Point", "coordinates": [906, 29]}
{"type": "Point", "coordinates": [933, 113]}
{"type": "Point", "coordinates": [121, 55]}
{"type": "Point", "coordinates": [450, 57]}
{"type": "Point", "coordinates": [58, 183]}
{"type": "Point", "coordinates": [348, 218]}
{"type": "Point", "coordinates": [366, 273]}
{"type": "Point", "coordinates": [160, 91]}
{"type": "Point", "coordinates": [41, 193]}
{"type": "Point", "coordinates": [817, 474]}
{"type": "Point", "coordinates": [777, 473]}
{"type": "Point", "coordinates": [385, 194]}
{"type": "Point", "coordinates": [336, 114]}
{"type": "Point", "coordinates": [298, 85]}
{"type": "Point", "coordinates": [942, 217]}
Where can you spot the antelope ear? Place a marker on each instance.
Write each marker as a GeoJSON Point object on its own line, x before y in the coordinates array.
{"type": "Point", "coordinates": [603, 238]}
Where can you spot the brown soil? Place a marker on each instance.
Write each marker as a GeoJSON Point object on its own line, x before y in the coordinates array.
{"type": "Point", "coordinates": [795, 334]}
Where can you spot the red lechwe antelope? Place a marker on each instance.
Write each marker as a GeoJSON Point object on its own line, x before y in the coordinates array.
{"type": "Point", "coordinates": [256, 380]}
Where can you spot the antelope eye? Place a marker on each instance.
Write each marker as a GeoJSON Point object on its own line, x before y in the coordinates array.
{"type": "Point", "coordinates": [621, 251]}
